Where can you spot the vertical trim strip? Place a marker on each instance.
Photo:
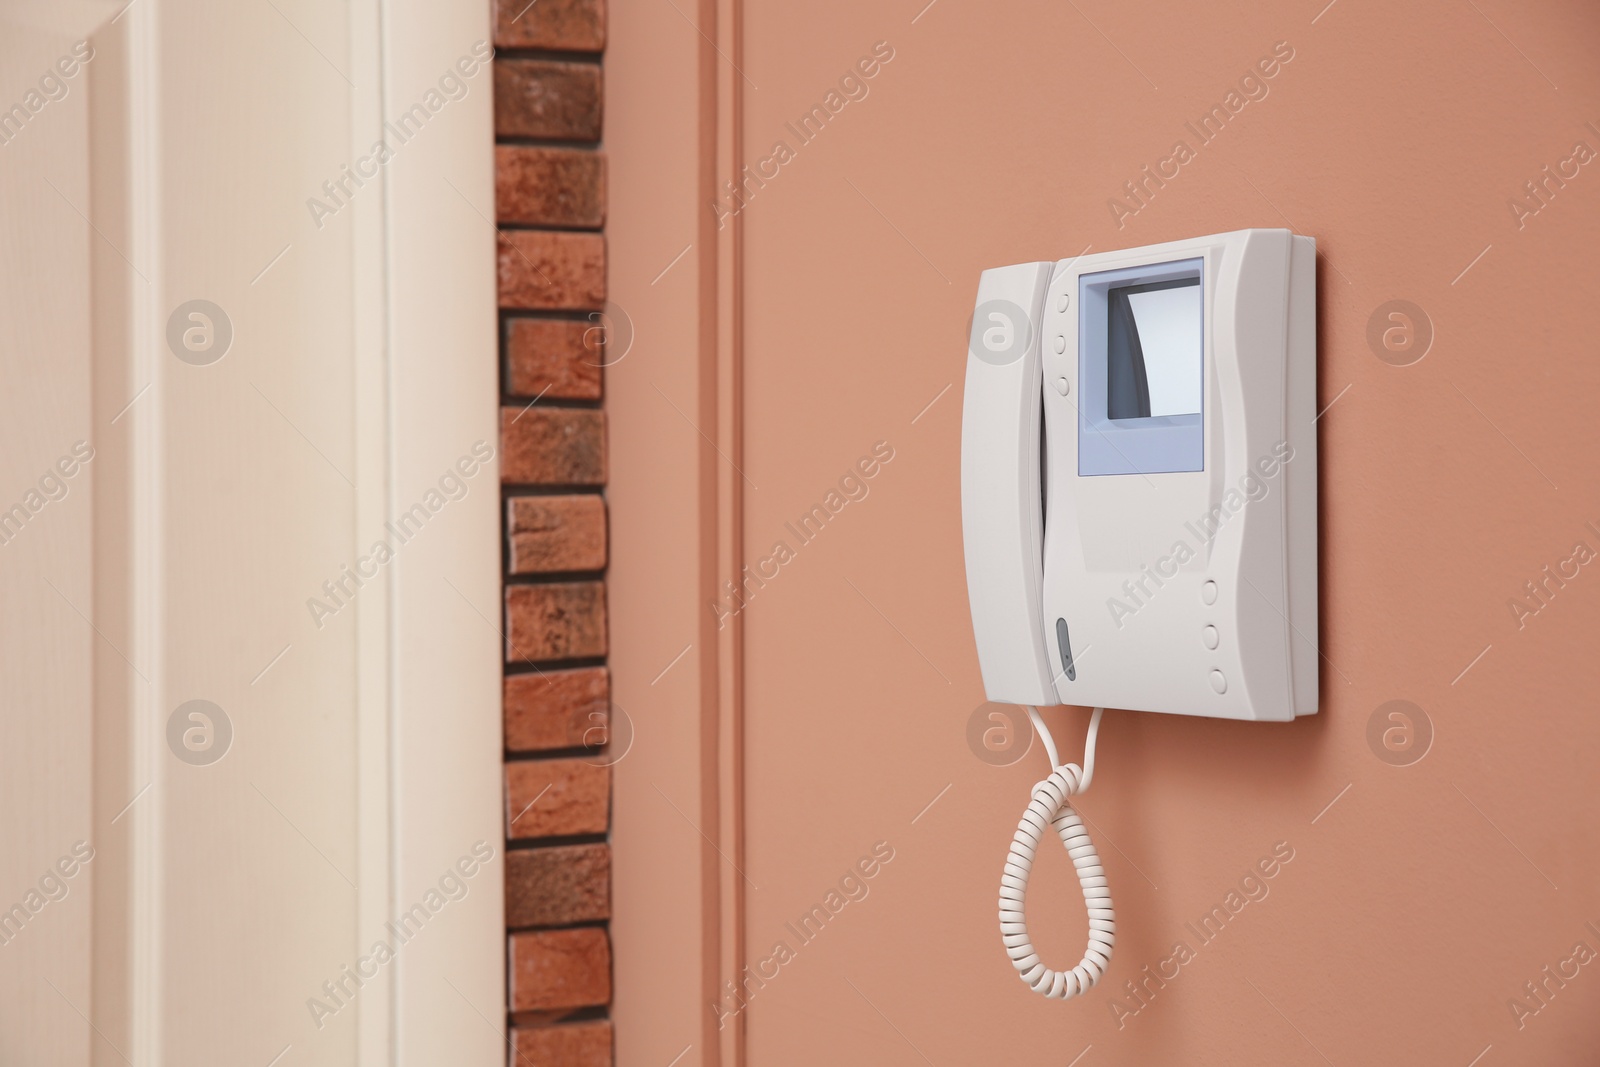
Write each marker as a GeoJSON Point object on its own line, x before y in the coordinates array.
{"type": "Point", "coordinates": [730, 294]}
{"type": "Point", "coordinates": [378, 624]}
{"type": "Point", "coordinates": [706, 403]}
{"type": "Point", "coordinates": [146, 854]}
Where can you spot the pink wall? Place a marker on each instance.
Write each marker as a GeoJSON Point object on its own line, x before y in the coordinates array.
{"type": "Point", "coordinates": [1417, 906]}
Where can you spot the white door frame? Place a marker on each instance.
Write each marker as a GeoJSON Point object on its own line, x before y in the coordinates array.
{"type": "Point", "coordinates": [365, 759]}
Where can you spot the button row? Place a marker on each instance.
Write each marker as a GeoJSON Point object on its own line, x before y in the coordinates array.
{"type": "Point", "coordinates": [1063, 302]}
{"type": "Point", "coordinates": [1209, 634]}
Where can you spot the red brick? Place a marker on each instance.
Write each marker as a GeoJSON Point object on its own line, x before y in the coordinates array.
{"type": "Point", "coordinates": [585, 1044]}
{"type": "Point", "coordinates": [549, 186]}
{"type": "Point", "coordinates": [555, 359]}
{"type": "Point", "coordinates": [559, 25]}
{"type": "Point", "coordinates": [558, 886]}
{"type": "Point", "coordinates": [560, 969]}
{"type": "Point", "coordinates": [555, 709]}
{"type": "Point", "coordinates": [544, 271]}
{"type": "Point", "coordinates": [556, 620]}
{"type": "Point", "coordinates": [549, 534]}
{"type": "Point", "coordinates": [556, 797]}
{"type": "Point", "coordinates": [552, 446]}
{"type": "Point", "coordinates": [545, 98]}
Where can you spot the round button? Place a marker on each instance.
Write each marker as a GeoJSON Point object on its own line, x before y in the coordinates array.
{"type": "Point", "coordinates": [1210, 636]}
{"type": "Point", "coordinates": [1063, 386]}
{"type": "Point", "coordinates": [1063, 302]}
{"type": "Point", "coordinates": [1061, 342]}
{"type": "Point", "coordinates": [1218, 682]}
{"type": "Point", "coordinates": [1208, 591]}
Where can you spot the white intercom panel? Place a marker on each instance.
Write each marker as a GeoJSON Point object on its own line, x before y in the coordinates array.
{"type": "Point", "coordinates": [1139, 478]}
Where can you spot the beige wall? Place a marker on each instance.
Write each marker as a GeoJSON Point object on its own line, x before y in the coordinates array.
{"type": "Point", "coordinates": [832, 710]}
{"type": "Point", "coordinates": [44, 565]}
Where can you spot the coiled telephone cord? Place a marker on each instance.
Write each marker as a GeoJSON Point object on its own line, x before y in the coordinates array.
{"type": "Point", "coordinates": [1050, 807]}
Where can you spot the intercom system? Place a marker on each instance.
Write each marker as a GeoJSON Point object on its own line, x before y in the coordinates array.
{"type": "Point", "coordinates": [1139, 506]}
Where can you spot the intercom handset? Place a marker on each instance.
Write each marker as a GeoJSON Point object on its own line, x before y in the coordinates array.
{"type": "Point", "coordinates": [1139, 508]}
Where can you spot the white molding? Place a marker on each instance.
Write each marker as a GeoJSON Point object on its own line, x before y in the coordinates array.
{"type": "Point", "coordinates": [373, 747]}
{"type": "Point", "coordinates": [375, 629]}
{"type": "Point", "coordinates": [448, 652]}
{"type": "Point", "coordinates": [145, 582]}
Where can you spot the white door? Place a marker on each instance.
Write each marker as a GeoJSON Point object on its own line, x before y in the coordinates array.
{"type": "Point", "coordinates": [240, 744]}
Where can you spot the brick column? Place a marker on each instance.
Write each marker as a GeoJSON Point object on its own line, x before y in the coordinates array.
{"type": "Point", "coordinates": [550, 204]}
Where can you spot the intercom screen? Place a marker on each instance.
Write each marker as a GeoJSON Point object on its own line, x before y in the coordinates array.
{"type": "Point", "coordinates": [1154, 344]}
